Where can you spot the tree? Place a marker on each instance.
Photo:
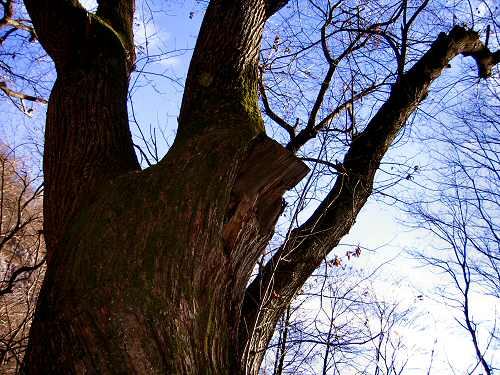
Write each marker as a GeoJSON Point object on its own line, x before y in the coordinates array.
{"type": "Point", "coordinates": [338, 324]}
{"type": "Point", "coordinates": [461, 217]}
{"type": "Point", "coordinates": [150, 271]}
{"type": "Point", "coordinates": [21, 257]}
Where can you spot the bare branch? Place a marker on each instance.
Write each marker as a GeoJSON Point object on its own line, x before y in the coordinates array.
{"type": "Point", "coordinates": [277, 119]}
{"type": "Point", "coordinates": [307, 133]}
{"type": "Point", "coordinates": [19, 271]}
{"type": "Point", "coordinates": [20, 95]}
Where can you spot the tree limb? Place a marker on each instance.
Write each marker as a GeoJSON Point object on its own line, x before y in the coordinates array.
{"type": "Point", "coordinates": [362, 37]}
{"type": "Point", "coordinates": [93, 58]}
{"type": "Point", "coordinates": [8, 12]}
{"type": "Point", "coordinates": [15, 24]}
{"type": "Point", "coordinates": [20, 95]}
{"type": "Point", "coordinates": [65, 29]}
{"type": "Point", "coordinates": [16, 273]}
{"type": "Point", "coordinates": [59, 25]}
{"type": "Point", "coordinates": [272, 115]}
{"type": "Point", "coordinates": [309, 133]}
{"type": "Point", "coordinates": [120, 15]}
{"type": "Point", "coordinates": [274, 5]}
{"type": "Point", "coordinates": [282, 277]}
{"type": "Point", "coordinates": [224, 67]}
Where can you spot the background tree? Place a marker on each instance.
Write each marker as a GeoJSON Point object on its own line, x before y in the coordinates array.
{"type": "Point", "coordinates": [463, 218]}
{"type": "Point", "coordinates": [340, 324]}
{"type": "Point", "coordinates": [21, 257]}
{"type": "Point", "coordinates": [152, 267]}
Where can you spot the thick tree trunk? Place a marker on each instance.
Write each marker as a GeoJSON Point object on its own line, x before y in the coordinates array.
{"type": "Point", "coordinates": [148, 270]}
{"type": "Point", "coordinates": [154, 272]}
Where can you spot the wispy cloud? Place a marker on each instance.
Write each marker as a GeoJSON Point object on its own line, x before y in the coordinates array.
{"type": "Point", "coordinates": [90, 5]}
{"type": "Point", "coordinates": [147, 33]}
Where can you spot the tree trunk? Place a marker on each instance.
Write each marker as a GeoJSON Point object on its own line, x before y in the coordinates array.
{"type": "Point", "coordinates": [147, 269]}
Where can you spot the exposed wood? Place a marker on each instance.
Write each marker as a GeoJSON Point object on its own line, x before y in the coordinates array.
{"type": "Point", "coordinates": [256, 200]}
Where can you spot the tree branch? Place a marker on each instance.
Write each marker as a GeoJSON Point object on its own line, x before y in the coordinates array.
{"type": "Point", "coordinates": [93, 58]}
{"type": "Point", "coordinates": [66, 30]}
{"type": "Point", "coordinates": [8, 12]}
{"type": "Point", "coordinates": [120, 15]}
{"type": "Point", "coordinates": [309, 133]}
{"type": "Point", "coordinates": [16, 273]}
{"type": "Point", "coordinates": [274, 5]}
{"type": "Point", "coordinates": [20, 95]}
{"type": "Point", "coordinates": [224, 68]}
{"type": "Point", "coordinates": [15, 24]}
{"type": "Point", "coordinates": [272, 115]}
{"type": "Point", "coordinates": [59, 25]}
{"type": "Point", "coordinates": [312, 129]}
{"type": "Point", "coordinates": [281, 278]}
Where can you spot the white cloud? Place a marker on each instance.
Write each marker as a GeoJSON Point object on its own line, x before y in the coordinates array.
{"type": "Point", "coordinates": [148, 32]}
{"type": "Point", "coordinates": [90, 5]}
{"type": "Point", "coordinates": [170, 61]}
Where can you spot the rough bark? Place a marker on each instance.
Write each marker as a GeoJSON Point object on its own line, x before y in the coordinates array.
{"type": "Point", "coordinates": [87, 138]}
{"type": "Point", "coordinates": [148, 270]}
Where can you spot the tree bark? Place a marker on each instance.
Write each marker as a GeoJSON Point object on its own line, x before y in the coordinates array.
{"type": "Point", "coordinates": [148, 270]}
